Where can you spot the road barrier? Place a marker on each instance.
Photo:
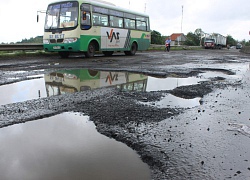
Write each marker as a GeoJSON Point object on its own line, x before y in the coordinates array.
{"type": "Point", "coordinates": [23, 47]}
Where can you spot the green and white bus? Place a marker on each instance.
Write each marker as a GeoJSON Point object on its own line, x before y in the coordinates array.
{"type": "Point", "coordinates": [88, 26]}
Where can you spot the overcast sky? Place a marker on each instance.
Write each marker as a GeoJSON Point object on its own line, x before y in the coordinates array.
{"type": "Point", "coordinates": [226, 17]}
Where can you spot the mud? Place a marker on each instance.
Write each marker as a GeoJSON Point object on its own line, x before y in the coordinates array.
{"type": "Point", "coordinates": [177, 143]}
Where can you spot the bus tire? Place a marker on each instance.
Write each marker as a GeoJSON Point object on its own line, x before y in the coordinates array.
{"type": "Point", "coordinates": [108, 53]}
{"type": "Point", "coordinates": [132, 51]}
{"type": "Point", "coordinates": [63, 54]}
{"type": "Point", "coordinates": [91, 50]}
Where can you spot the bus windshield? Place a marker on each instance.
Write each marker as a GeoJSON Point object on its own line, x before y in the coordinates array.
{"type": "Point", "coordinates": [61, 15]}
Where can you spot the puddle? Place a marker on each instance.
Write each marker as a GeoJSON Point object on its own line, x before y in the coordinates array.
{"type": "Point", "coordinates": [65, 146]}
{"type": "Point", "coordinates": [22, 91]}
{"type": "Point", "coordinates": [170, 101]}
{"type": "Point", "coordinates": [212, 74]}
{"type": "Point", "coordinates": [158, 84]}
{"type": "Point", "coordinates": [70, 81]}
{"type": "Point", "coordinates": [238, 68]}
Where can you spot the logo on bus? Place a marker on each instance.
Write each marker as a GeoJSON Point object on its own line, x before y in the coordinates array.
{"type": "Point", "coordinates": [111, 78]}
{"type": "Point", "coordinates": [113, 35]}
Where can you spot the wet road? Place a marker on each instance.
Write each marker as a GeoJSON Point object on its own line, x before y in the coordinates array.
{"type": "Point", "coordinates": [186, 113]}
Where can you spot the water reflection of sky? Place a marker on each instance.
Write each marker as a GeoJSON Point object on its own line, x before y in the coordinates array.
{"type": "Point", "coordinates": [65, 146]}
{"type": "Point", "coordinates": [170, 101]}
{"type": "Point", "coordinates": [157, 84]}
{"type": "Point", "coordinates": [22, 91]}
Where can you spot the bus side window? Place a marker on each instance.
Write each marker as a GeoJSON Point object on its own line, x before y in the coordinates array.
{"type": "Point", "coordinates": [126, 24]}
{"type": "Point", "coordinates": [120, 22]}
{"type": "Point", "coordinates": [141, 25]}
{"type": "Point", "coordinates": [130, 23]}
{"type": "Point", "coordinates": [104, 20]}
{"type": "Point", "coordinates": [147, 24]}
{"type": "Point", "coordinates": [100, 19]}
{"type": "Point", "coordinates": [116, 21]}
{"type": "Point", "coordinates": [96, 21]}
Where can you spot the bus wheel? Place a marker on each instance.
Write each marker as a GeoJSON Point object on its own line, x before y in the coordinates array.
{"type": "Point", "coordinates": [63, 54]}
{"type": "Point", "coordinates": [91, 50]}
{"type": "Point", "coordinates": [107, 53]}
{"type": "Point", "coordinates": [132, 50]}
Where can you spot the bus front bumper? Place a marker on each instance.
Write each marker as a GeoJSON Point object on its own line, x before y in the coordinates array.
{"type": "Point", "coordinates": [57, 47]}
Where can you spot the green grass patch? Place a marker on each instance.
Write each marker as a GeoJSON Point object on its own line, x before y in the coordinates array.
{"type": "Point", "coordinates": [4, 54]}
{"type": "Point", "coordinates": [173, 48]}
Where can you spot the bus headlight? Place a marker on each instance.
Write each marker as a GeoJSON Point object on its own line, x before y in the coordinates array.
{"type": "Point", "coordinates": [70, 40]}
{"type": "Point", "coordinates": [45, 41]}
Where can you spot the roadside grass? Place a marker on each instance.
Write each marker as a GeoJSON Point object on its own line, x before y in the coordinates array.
{"type": "Point", "coordinates": [173, 48]}
{"type": "Point", "coordinates": [4, 54]}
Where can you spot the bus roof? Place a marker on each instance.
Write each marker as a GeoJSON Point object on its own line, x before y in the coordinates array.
{"type": "Point", "coordinates": [106, 5]}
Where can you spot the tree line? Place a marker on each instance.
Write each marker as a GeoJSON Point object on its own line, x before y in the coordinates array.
{"type": "Point", "coordinates": [37, 39]}
{"type": "Point", "coordinates": [194, 39]}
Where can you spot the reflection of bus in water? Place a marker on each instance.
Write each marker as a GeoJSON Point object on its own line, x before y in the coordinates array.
{"type": "Point", "coordinates": [70, 81]}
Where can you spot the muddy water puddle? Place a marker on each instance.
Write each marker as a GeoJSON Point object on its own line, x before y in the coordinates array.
{"type": "Point", "coordinates": [70, 81]}
{"type": "Point", "coordinates": [65, 146]}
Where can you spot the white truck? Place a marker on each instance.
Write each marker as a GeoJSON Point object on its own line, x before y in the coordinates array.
{"type": "Point", "coordinates": [214, 41]}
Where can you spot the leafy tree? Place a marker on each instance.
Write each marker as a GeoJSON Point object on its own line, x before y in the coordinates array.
{"type": "Point", "coordinates": [163, 39]}
{"type": "Point", "coordinates": [192, 39]}
{"type": "Point", "coordinates": [38, 39]}
{"type": "Point", "coordinates": [156, 37]}
{"type": "Point", "coordinates": [189, 42]}
{"type": "Point", "coordinates": [231, 41]}
{"type": "Point", "coordinates": [199, 34]}
{"type": "Point", "coordinates": [245, 43]}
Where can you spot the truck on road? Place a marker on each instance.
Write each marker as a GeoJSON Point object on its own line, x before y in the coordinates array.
{"type": "Point", "coordinates": [214, 41]}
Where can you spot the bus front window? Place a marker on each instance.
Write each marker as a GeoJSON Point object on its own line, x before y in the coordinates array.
{"type": "Point", "coordinates": [61, 15]}
{"type": "Point", "coordinates": [52, 15]}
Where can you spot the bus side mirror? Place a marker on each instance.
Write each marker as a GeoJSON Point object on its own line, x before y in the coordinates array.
{"type": "Point", "coordinates": [37, 16]}
{"type": "Point", "coordinates": [84, 16]}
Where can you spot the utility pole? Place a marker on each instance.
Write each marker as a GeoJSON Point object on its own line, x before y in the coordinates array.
{"type": "Point", "coordinates": [181, 17]}
{"type": "Point", "coordinates": [145, 8]}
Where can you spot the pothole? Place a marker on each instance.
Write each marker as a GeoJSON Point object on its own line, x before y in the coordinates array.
{"type": "Point", "coordinates": [70, 81]}
{"type": "Point", "coordinates": [66, 146]}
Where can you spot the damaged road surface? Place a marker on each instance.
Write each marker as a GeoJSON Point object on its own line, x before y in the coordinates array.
{"type": "Point", "coordinates": [157, 115]}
